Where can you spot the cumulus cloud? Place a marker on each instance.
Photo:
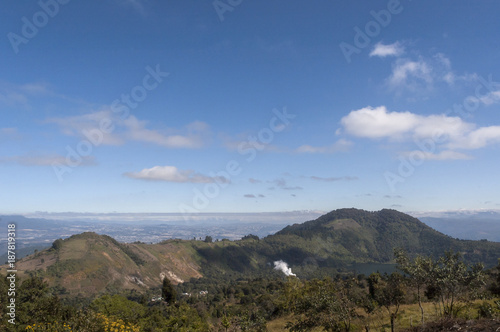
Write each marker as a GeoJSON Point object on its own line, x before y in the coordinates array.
{"type": "Point", "coordinates": [382, 50]}
{"type": "Point", "coordinates": [172, 174]}
{"type": "Point", "coordinates": [446, 133]}
{"type": "Point", "coordinates": [378, 122]}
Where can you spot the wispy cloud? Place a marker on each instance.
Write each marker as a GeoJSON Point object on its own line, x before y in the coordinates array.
{"type": "Point", "coordinates": [333, 179]}
{"type": "Point", "coordinates": [9, 134]}
{"type": "Point", "coordinates": [44, 160]}
{"type": "Point", "coordinates": [81, 125]}
{"type": "Point", "coordinates": [421, 75]}
{"type": "Point", "coordinates": [492, 97]}
{"type": "Point", "coordinates": [282, 184]}
{"type": "Point", "coordinates": [382, 50]}
{"type": "Point", "coordinates": [173, 174]}
{"type": "Point", "coordinates": [442, 155]}
{"type": "Point", "coordinates": [20, 95]}
{"type": "Point", "coordinates": [393, 196]}
{"type": "Point", "coordinates": [339, 146]}
{"type": "Point", "coordinates": [194, 135]}
{"type": "Point", "coordinates": [253, 196]}
{"type": "Point", "coordinates": [411, 75]}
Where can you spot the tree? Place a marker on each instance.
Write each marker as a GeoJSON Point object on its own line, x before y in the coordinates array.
{"type": "Point", "coordinates": [120, 307]}
{"type": "Point", "coordinates": [57, 244]}
{"type": "Point", "coordinates": [35, 303]}
{"type": "Point", "coordinates": [418, 272]}
{"type": "Point", "coordinates": [325, 303]}
{"type": "Point", "coordinates": [168, 291]}
{"type": "Point", "coordinates": [389, 292]}
{"type": "Point", "coordinates": [250, 237]}
{"type": "Point", "coordinates": [453, 282]}
{"type": "Point", "coordinates": [208, 239]}
{"type": "Point", "coordinates": [225, 323]}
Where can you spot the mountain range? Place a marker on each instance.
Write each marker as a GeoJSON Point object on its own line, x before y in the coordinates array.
{"type": "Point", "coordinates": [341, 241]}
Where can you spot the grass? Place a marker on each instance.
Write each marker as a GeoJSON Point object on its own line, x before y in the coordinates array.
{"type": "Point", "coordinates": [408, 316]}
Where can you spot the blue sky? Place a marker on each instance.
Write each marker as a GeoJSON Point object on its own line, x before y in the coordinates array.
{"type": "Point", "coordinates": [248, 106]}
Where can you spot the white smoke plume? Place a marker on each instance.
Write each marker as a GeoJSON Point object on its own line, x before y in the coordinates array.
{"type": "Point", "coordinates": [283, 267]}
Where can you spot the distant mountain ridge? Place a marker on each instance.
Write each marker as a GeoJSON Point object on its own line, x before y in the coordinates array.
{"type": "Point", "coordinates": [336, 242]}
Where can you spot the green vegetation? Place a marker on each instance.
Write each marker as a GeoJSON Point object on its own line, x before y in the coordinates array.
{"type": "Point", "coordinates": [91, 282]}
{"type": "Point", "coordinates": [355, 303]}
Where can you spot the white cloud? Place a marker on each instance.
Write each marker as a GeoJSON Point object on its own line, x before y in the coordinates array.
{"type": "Point", "coordinates": [377, 122]}
{"type": "Point", "coordinates": [194, 138]}
{"type": "Point", "coordinates": [172, 174]}
{"type": "Point", "coordinates": [340, 145]}
{"type": "Point", "coordinates": [194, 135]}
{"type": "Point", "coordinates": [381, 50]}
{"type": "Point", "coordinates": [90, 122]}
{"type": "Point", "coordinates": [478, 138]}
{"type": "Point", "coordinates": [411, 75]}
{"type": "Point", "coordinates": [423, 74]}
{"type": "Point", "coordinates": [442, 155]}
{"type": "Point", "coordinates": [491, 97]}
{"type": "Point", "coordinates": [443, 131]}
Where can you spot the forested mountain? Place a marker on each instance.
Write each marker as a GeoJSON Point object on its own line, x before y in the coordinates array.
{"type": "Point", "coordinates": [372, 236]}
